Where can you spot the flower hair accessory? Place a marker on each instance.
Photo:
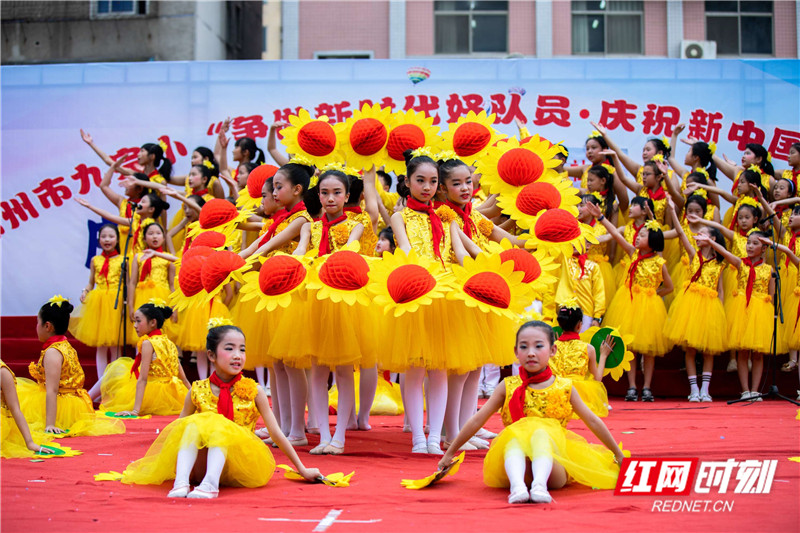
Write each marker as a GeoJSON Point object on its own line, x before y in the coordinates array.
{"type": "Point", "coordinates": [700, 192]}
{"type": "Point", "coordinates": [562, 149]}
{"type": "Point", "coordinates": [146, 222]}
{"type": "Point", "coordinates": [570, 303]}
{"type": "Point", "coordinates": [665, 140]}
{"type": "Point", "coordinates": [595, 134]}
{"type": "Point", "coordinates": [752, 230]}
{"type": "Point", "coordinates": [653, 225]}
{"type": "Point", "coordinates": [658, 158]}
{"type": "Point", "coordinates": [598, 196]}
{"type": "Point", "coordinates": [701, 170]}
{"type": "Point", "coordinates": [747, 200]}
{"type": "Point", "coordinates": [163, 146]}
{"type": "Point", "coordinates": [447, 155]}
{"type": "Point", "coordinates": [756, 168]}
{"type": "Point", "coordinates": [333, 165]}
{"type": "Point", "coordinates": [208, 164]}
{"type": "Point", "coordinates": [769, 157]}
{"type": "Point", "coordinates": [301, 160]}
{"type": "Point", "coordinates": [157, 302]}
{"type": "Point", "coordinates": [57, 300]}
{"type": "Point", "coordinates": [712, 146]}
{"type": "Point", "coordinates": [423, 151]}
{"type": "Point", "coordinates": [313, 180]}
{"type": "Point", "coordinates": [218, 322]}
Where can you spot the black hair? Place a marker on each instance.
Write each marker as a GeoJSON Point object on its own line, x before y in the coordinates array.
{"type": "Point", "coordinates": [796, 209]}
{"type": "Point", "coordinates": [154, 312]}
{"type": "Point", "coordinates": [754, 178]}
{"type": "Point", "coordinates": [246, 143]}
{"type": "Point", "coordinates": [116, 232]}
{"type": "Point", "coordinates": [602, 172]}
{"type": "Point", "coordinates": [755, 211]}
{"type": "Point", "coordinates": [792, 192]}
{"type": "Point", "coordinates": [147, 227]}
{"type": "Point", "coordinates": [697, 177]}
{"type": "Point", "coordinates": [199, 200]}
{"type": "Point", "coordinates": [157, 204]}
{"type": "Point", "coordinates": [569, 318]}
{"type": "Point", "coordinates": [413, 163]}
{"type": "Point", "coordinates": [716, 234]}
{"type": "Point", "coordinates": [699, 200]}
{"type": "Point", "coordinates": [655, 240]}
{"type": "Point", "coordinates": [269, 183]}
{"type": "Point", "coordinates": [208, 155]}
{"type": "Point", "coordinates": [388, 234]}
{"type": "Point", "coordinates": [298, 174]}
{"type": "Point", "coordinates": [356, 189]}
{"type": "Point", "coordinates": [603, 144]}
{"type": "Point", "coordinates": [206, 173]}
{"type": "Point", "coordinates": [591, 198]}
{"type": "Point", "coordinates": [652, 164]}
{"type": "Point", "coordinates": [446, 168]}
{"type": "Point", "coordinates": [796, 147]}
{"type": "Point", "coordinates": [166, 165]}
{"type": "Point", "coordinates": [660, 146]}
{"type": "Point", "coordinates": [386, 179]}
{"type": "Point", "coordinates": [56, 314]}
{"type": "Point", "coordinates": [215, 336]}
{"type": "Point", "coordinates": [702, 151]}
{"type": "Point", "coordinates": [760, 233]}
{"type": "Point", "coordinates": [249, 166]}
{"type": "Point", "coordinates": [644, 203]}
{"type": "Point", "coordinates": [551, 335]}
{"type": "Point", "coordinates": [340, 176]}
{"type": "Point", "coordinates": [402, 188]}
{"type": "Point", "coordinates": [761, 152]}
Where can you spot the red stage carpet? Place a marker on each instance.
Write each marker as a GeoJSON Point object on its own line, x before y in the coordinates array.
{"type": "Point", "coordinates": [61, 494]}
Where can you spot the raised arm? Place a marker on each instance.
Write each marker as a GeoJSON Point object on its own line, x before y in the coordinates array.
{"type": "Point", "coordinates": [272, 143]}
{"type": "Point", "coordinates": [678, 229]}
{"type": "Point", "coordinates": [116, 219]}
{"type": "Point", "coordinates": [628, 162]}
{"type": "Point", "coordinates": [105, 185]}
{"type": "Point", "coordinates": [729, 257]}
{"type": "Point", "coordinates": [678, 167]}
{"type": "Point", "coordinates": [289, 234]}
{"type": "Point", "coordinates": [694, 219]}
{"type": "Point", "coordinates": [371, 203]}
{"type": "Point", "coordinates": [783, 248]}
{"type": "Point", "coordinates": [610, 228]}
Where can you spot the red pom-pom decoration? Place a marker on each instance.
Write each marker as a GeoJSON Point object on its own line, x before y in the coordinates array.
{"type": "Point", "coordinates": [189, 278]}
{"type": "Point", "coordinates": [344, 270]}
{"type": "Point", "coordinates": [520, 167]}
{"type": "Point", "coordinates": [409, 282]}
{"type": "Point", "coordinates": [557, 225]}
{"type": "Point", "coordinates": [280, 274]}
{"type": "Point", "coordinates": [317, 138]}
{"type": "Point", "coordinates": [257, 177]}
{"type": "Point", "coordinates": [217, 268]}
{"type": "Point", "coordinates": [196, 251]}
{"type": "Point", "coordinates": [537, 197]}
{"type": "Point", "coordinates": [489, 288]}
{"type": "Point", "coordinates": [523, 262]}
{"type": "Point", "coordinates": [212, 239]}
{"type": "Point", "coordinates": [402, 138]}
{"type": "Point", "coordinates": [470, 138]}
{"type": "Point", "coordinates": [217, 212]}
{"type": "Point", "coordinates": [367, 136]}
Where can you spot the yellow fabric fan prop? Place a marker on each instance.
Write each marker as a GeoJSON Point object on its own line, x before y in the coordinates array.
{"type": "Point", "coordinates": [408, 130]}
{"type": "Point", "coordinates": [619, 360]}
{"type": "Point", "coordinates": [510, 165]}
{"type": "Point", "coordinates": [342, 276]}
{"type": "Point", "coordinates": [491, 285]}
{"type": "Point", "coordinates": [557, 231]}
{"type": "Point", "coordinates": [315, 139]}
{"type": "Point", "coordinates": [471, 136]}
{"type": "Point", "coordinates": [280, 278]}
{"type": "Point", "coordinates": [403, 283]}
{"type": "Point", "coordinates": [108, 476]}
{"type": "Point", "coordinates": [530, 200]}
{"type": "Point", "coordinates": [337, 479]}
{"type": "Point", "coordinates": [364, 135]}
{"type": "Point", "coordinates": [449, 470]}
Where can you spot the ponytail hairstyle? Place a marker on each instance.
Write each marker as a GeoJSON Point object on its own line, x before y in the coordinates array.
{"type": "Point", "coordinates": [702, 151]}
{"type": "Point", "coordinates": [569, 317]}
{"type": "Point", "coordinates": [249, 145]}
{"type": "Point", "coordinates": [297, 174]}
{"type": "Point", "coordinates": [116, 232]}
{"type": "Point", "coordinates": [402, 188]}
{"type": "Point", "coordinates": [414, 162]}
{"type": "Point", "coordinates": [159, 313]}
{"type": "Point", "coordinates": [697, 177]}
{"type": "Point", "coordinates": [661, 146]}
{"type": "Point", "coordinates": [208, 155]}
{"type": "Point", "coordinates": [601, 172]}
{"type": "Point", "coordinates": [716, 234]}
{"type": "Point", "coordinates": [216, 334]}
{"type": "Point", "coordinates": [56, 311]}
{"type": "Point", "coordinates": [761, 152]}
{"type": "Point", "coordinates": [155, 149]}
{"type": "Point", "coordinates": [157, 203]}
{"type": "Point", "coordinates": [355, 190]}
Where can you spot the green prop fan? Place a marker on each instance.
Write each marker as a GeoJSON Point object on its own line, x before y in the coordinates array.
{"type": "Point", "coordinates": [619, 360]}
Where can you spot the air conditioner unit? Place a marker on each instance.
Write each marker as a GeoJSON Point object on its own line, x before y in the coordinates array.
{"type": "Point", "coordinates": [698, 49]}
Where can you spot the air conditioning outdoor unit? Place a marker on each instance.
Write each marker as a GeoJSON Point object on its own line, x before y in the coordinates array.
{"type": "Point", "coordinates": [698, 49]}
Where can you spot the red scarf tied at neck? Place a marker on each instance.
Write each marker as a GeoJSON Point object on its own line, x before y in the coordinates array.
{"type": "Point", "coordinates": [353, 209]}
{"type": "Point", "coordinates": [225, 401]}
{"type": "Point", "coordinates": [632, 269]}
{"type": "Point", "coordinates": [200, 192]}
{"type": "Point", "coordinates": [147, 265]}
{"type": "Point", "coordinates": [469, 224]}
{"type": "Point", "coordinates": [568, 336]}
{"type": "Point", "coordinates": [751, 276]}
{"type": "Point", "coordinates": [279, 217]}
{"type": "Point", "coordinates": [437, 230]}
{"type": "Point", "coordinates": [107, 257]}
{"type": "Point", "coordinates": [581, 261]}
{"type": "Point", "coordinates": [516, 406]}
{"type": "Point", "coordinates": [52, 340]}
{"type": "Point", "coordinates": [138, 361]}
{"type": "Point", "coordinates": [792, 244]}
{"type": "Point", "coordinates": [658, 194]}
{"type": "Point", "coordinates": [325, 241]}
{"type": "Point", "coordinates": [699, 271]}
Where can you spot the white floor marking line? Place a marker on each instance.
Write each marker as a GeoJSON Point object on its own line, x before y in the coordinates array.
{"type": "Point", "coordinates": [326, 522]}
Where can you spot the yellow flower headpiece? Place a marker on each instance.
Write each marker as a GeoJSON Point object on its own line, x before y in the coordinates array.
{"type": "Point", "coordinates": [659, 158]}
{"type": "Point", "coordinates": [752, 230]}
{"type": "Point", "coordinates": [700, 192]}
{"type": "Point", "coordinates": [301, 160]}
{"type": "Point", "coordinates": [58, 300]}
{"type": "Point", "coordinates": [157, 302]}
{"type": "Point", "coordinates": [562, 149]}
{"type": "Point", "coordinates": [610, 168]}
{"type": "Point", "coordinates": [446, 155]}
{"type": "Point", "coordinates": [208, 164]}
{"type": "Point", "coordinates": [769, 157]}
{"type": "Point", "coordinates": [570, 303]}
{"type": "Point", "coordinates": [218, 322]}
{"type": "Point", "coordinates": [712, 146]}
{"type": "Point", "coordinates": [333, 165]}
{"type": "Point", "coordinates": [163, 146]}
{"type": "Point", "coordinates": [598, 196]}
{"type": "Point", "coordinates": [701, 170]}
{"type": "Point", "coordinates": [423, 151]}
{"type": "Point", "coordinates": [146, 222]}
{"type": "Point", "coordinates": [595, 134]}
{"type": "Point", "coordinates": [653, 225]}
{"type": "Point", "coordinates": [747, 200]}
{"type": "Point", "coordinates": [312, 182]}
{"type": "Point", "coordinates": [756, 168]}
{"type": "Point", "coordinates": [352, 171]}
{"type": "Point", "coordinates": [665, 140]}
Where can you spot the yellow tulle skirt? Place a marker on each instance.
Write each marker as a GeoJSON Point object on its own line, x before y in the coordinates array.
{"type": "Point", "coordinates": [642, 315]}
{"type": "Point", "coordinates": [609, 279]}
{"type": "Point", "coordinates": [593, 393]}
{"type": "Point", "coordinates": [192, 327]}
{"type": "Point", "coordinates": [500, 345]}
{"type": "Point", "coordinates": [74, 411]}
{"type": "Point", "coordinates": [97, 323]}
{"type": "Point", "coordinates": [292, 342]}
{"type": "Point", "coordinates": [248, 462]}
{"type": "Point", "coordinates": [161, 397]}
{"type": "Point", "coordinates": [12, 443]}
{"type": "Point", "coordinates": [791, 326]}
{"type": "Point", "coordinates": [589, 464]}
{"type": "Point", "coordinates": [258, 329]}
{"type": "Point", "coordinates": [750, 326]}
{"type": "Point", "coordinates": [697, 320]}
{"type": "Point", "coordinates": [677, 274]}
{"type": "Point", "coordinates": [672, 251]}
{"type": "Point", "coordinates": [388, 400]}
{"type": "Point", "coordinates": [621, 272]}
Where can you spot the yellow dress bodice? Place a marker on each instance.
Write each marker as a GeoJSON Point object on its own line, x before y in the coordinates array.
{"type": "Point", "coordinates": [687, 230]}
{"type": "Point", "coordinates": [551, 402]}
{"type": "Point", "coordinates": [245, 412]}
{"type": "Point", "coordinates": [159, 273]}
{"type": "Point", "coordinates": [708, 282]}
{"type": "Point", "coordinates": [420, 235]}
{"type": "Point", "coordinates": [135, 246]}
{"type": "Point", "coordinates": [598, 252]}
{"type": "Point", "coordinates": [72, 377]}
{"type": "Point", "coordinates": [738, 245]}
{"type": "Point", "coordinates": [165, 363]}
{"type": "Point", "coordinates": [761, 283]}
{"type": "Point", "coordinates": [483, 225]}
{"type": "Point", "coordinates": [660, 206]}
{"type": "Point", "coordinates": [630, 231]}
{"type": "Point", "coordinates": [3, 405]}
{"type": "Point", "coordinates": [368, 238]}
{"type": "Point", "coordinates": [571, 359]}
{"type": "Point", "coordinates": [114, 271]}
{"type": "Point", "coordinates": [648, 275]}
{"type": "Point", "coordinates": [337, 237]}
{"type": "Point", "coordinates": [290, 246]}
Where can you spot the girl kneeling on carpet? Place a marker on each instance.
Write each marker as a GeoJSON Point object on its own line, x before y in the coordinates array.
{"type": "Point", "coordinates": [213, 438]}
{"type": "Point", "coordinates": [536, 406]}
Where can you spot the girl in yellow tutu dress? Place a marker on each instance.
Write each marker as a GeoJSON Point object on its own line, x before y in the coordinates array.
{"type": "Point", "coordinates": [577, 360]}
{"type": "Point", "coordinates": [152, 274]}
{"type": "Point", "coordinates": [637, 308]}
{"type": "Point", "coordinates": [535, 408]}
{"type": "Point", "coordinates": [639, 213]}
{"type": "Point", "coordinates": [98, 323]}
{"type": "Point", "coordinates": [57, 402]}
{"type": "Point", "coordinates": [153, 383]}
{"type": "Point", "coordinates": [791, 304]}
{"type": "Point", "coordinates": [750, 312]}
{"type": "Point", "coordinates": [696, 319]}
{"type": "Point", "coordinates": [213, 438]}
{"type": "Point", "coordinates": [16, 438]}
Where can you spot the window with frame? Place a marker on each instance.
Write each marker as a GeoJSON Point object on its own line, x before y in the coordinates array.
{"type": "Point", "coordinates": [470, 27]}
{"type": "Point", "coordinates": [115, 8]}
{"type": "Point", "coordinates": [607, 27]}
{"type": "Point", "coordinates": [740, 27]}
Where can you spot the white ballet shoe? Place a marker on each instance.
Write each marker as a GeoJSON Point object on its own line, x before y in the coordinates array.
{"type": "Point", "coordinates": [479, 443]}
{"type": "Point", "coordinates": [319, 450]}
{"type": "Point", "coordinates": [539, 494]}
{"type": "Point", "coordinates": [420, 448]}
{"type": "Point", "coordinates": [435, 449]}
{"type": "Point", "coordinates": [519, 495]}
{"type": "Point", "coordinates": [200, 494]}
{"type": "Point", "coordinates": [485, 434]}
{"type": "Point", "coordinates": [179, 492]}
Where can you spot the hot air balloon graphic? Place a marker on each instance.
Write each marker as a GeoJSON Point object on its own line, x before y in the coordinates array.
{"type": "Point", "coordinates": [517, 90]}
{"type": "Point", "coordinates": [418, 74]}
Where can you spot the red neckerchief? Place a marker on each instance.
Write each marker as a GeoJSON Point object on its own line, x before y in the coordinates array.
{"type": "Point", "coordinates": [325, 241]}
{"type": "Point", "coordinates": [437, 230]}
{"type": "Point", "coordinates": [593, 223]}
{"type": "Point", "coordinates": [469, 224]}
{"type": "Point", "coordinates": [138, 361]}
{"type": "Point", "coordinates": [353, 209]}
{"type": "Point", "coordinates": [795, 174]}
{"type": "Point", "coordinates": [201, 192]}
{"type": "Point", "coordinates": [699, 270]}
{"type": "Point", "coordinates": [187, 243]}
{"type": "Point", "coordinates": [153, 174]}
{"type": "Point", "coordinates": [569, 336]}
{"type": "Point", "coordinates": [279, 217]}
{"type": "Point", "coordinates": [516, 405]}
{"type": "Point", "coordinates": [636, 230]}
{"type": "Point", "coordinates": [581, 261]}
{"type": "Point", "coordinates": [751, 276]}
{"type": "Point", "coordinates": [658, 194]}
{"type": "Point", "coordinates": [129, 207]}
{"type": "Point", "coordinates": [632, 269]}
{"type": "Point", "coordinates": [52, 340]}
{"type": "Point", "coordinates": [603, 193]}
{"type": "Point", "coordinates": [475, 191]}
{"type": "Point", "coordinates": [225, 401]}
{"type": "Point", "coordinates": [146, 266]}
{"type": "Point", "coordinates": [107, 256]}
{"type": "Point", "coordinates": [792, 244]}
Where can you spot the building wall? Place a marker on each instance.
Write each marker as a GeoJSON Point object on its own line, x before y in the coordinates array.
{"type": "Point", "coordinates": [655, 29]}
{"type": "Point", "coordinates": [562, 25]}
{"type": "Point", "coordinates": [522, 28]}
{"type": "Point", "coordinates": [786, 28]}
{"type": "Point", "coordinates": [344, 25]}
{"type": "Point", "coordinates": [271, 19]}
{"type": "Point", "coordinates": [419, 28]}
{"type": "Point", "coordinates": [209, 31]}
{"type": "Point", "coordinates": [694, 20]}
